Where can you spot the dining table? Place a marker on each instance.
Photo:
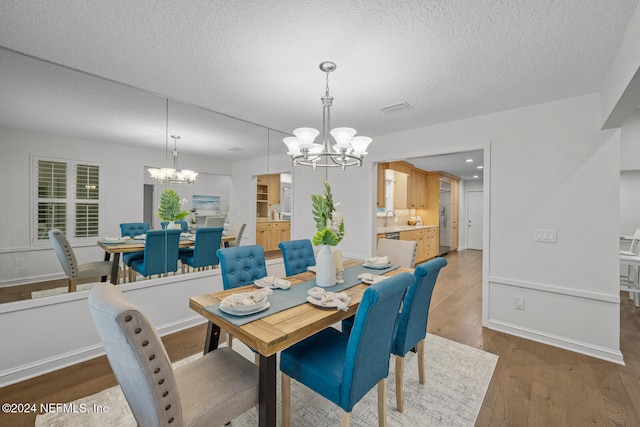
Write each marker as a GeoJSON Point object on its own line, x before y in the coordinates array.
{"type": "Point", "coordinates": [278, 329]}
{"type": "Point", "coordinates": [118, 246]}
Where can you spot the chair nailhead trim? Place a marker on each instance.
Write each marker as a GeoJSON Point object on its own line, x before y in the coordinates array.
{"type": "Point", "coordinates": [155, 371]}
{"type": "Point", "coordinates": [127, 319]}
{"type": "Point", "coordinates": [161, 381]}
{"type": "Point", "coordinates": [145, 343]}
{"type": "Point", "coordinates": [170, 420]}
{"type": "Point", "coordinates": [165, 394]}
{"type": "Point", "coordinates": [153, 356]}
{"type": "Point", "coordinates": [138, 330]}
{"type": "Point", "coordinates": [166, 408]}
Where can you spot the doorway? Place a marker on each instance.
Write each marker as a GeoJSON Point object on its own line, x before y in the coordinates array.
{"type": "Point", "coordinates": [474, 219]}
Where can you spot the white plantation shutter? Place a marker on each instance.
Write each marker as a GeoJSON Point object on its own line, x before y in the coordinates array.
{"type": "Point", "coordinates": [67, 197]}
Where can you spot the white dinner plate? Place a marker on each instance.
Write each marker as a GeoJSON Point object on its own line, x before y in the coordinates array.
{"type": "Point", "coordinates": [319, 303]}
{"type": "Point", "coordinates": [259, 308]}
{"type": "Point", "coordinates": [311, 268]}
{"type": "Point", "coordinates": [376, 266]}
{"type": "Point", "coordinates": [140, 237]}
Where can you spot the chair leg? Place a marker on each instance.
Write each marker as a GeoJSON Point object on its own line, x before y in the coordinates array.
{"type": "Point", "coordinates": [420, 349]}
{"type": "Point", "coordinates": [72, 285]}
{"type": "Point", "coordinates": [345, 418]}
{"type": "Point", "coordinates": [399, 374]}
{"type": "Point", "coordinates": [382, 403]}
{"type": "Point", "coordinates": [256, 359]}
{"type": "Point", "coordinates": [229, 340]}
{"type": "Point", "coordinates": [285, 388]}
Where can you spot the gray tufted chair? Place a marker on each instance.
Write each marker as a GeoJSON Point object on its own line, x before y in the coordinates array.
{"type": "Point", "coordinates": [72, 269]}
{"type": "Point", "coordinates": [211, 390]}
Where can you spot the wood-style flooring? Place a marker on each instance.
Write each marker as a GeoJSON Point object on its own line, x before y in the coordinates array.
{"type": "Point", "coordinates": [533, 384]}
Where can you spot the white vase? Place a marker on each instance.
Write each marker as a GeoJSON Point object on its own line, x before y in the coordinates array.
{"type": "Point", "coordinates": [325, 267]}
{"type": "Point", "coordinates": [173, 226]}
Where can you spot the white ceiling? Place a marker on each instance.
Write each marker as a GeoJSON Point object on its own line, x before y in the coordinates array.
{"type": "Point", "coordinates": [258, 60]}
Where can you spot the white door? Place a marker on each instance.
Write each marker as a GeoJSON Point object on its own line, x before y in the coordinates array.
{"type": "Point", "coordinates": [474, 219]}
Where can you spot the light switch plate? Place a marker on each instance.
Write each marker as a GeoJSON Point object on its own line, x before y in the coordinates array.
{"type": "Point", "coordinates": [548, 236]}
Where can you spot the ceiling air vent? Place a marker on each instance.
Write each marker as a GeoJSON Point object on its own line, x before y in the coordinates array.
{"type": "Point", "coordinates": [235, 149]}
{"type": "Point", "coordinates": [403, 106]}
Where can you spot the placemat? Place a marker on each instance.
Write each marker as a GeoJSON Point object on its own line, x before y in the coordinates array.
{"type": "Point", "coordinates": [283, 299]}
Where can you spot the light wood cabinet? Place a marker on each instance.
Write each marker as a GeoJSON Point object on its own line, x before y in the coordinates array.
{"type": "Point", "coordinates": [427, 240]}
{"type": "Point", "coordinates": [382, 185]}
{"type": "Point", "coordinates": [267, 194]}
{"type": "Point", "coordinates": [269, 234]}
{"type": "Point", "coordinates": [455, 203]}
{"type": "Point", "coordinates": [417, 190]}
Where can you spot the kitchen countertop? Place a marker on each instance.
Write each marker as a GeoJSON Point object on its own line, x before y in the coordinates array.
{"type": "Point", "coordinates": [396, 228]}
{"type": "Point", "coordinates": [272, 220]}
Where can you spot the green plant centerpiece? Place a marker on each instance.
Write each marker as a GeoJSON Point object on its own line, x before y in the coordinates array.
{"type": "Point", "coordinates": [330, 231]}
{"type": "Point", "coordinates": [329, 222]}
{"type": "Point", "coordinates": [170, 208]}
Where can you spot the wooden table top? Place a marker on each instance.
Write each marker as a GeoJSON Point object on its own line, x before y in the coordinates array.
{"type": "Point", "coordinates": [138, 245]}
{"type": "Point", "coordinates": [278, 331]}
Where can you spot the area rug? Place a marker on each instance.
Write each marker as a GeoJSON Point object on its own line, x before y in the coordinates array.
{"type": "Point", "coordinates": [457, 377]}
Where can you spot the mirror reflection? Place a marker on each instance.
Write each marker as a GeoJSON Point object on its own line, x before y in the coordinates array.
{"type": "Point", "coordinates": [82, 147]}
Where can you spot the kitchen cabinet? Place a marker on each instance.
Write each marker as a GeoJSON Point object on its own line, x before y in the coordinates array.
{"type": "Point", "coordinates": [427, 240]}
{"type": "Point", "coordinates": [417, 189]}
{"type": "Point", "coordinates": [382, 185]}
{"type": "Point", "coordinates": [270, 233]}
{"type": "Point", "coordinates": [267, 194]}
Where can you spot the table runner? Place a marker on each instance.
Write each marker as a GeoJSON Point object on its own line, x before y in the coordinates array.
{"type": "Point", "coordinates": [283, 299]}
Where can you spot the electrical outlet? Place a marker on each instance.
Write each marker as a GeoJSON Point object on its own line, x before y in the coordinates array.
{"type": "Point", "coordinates": [519, 303]}
{"type": "Point", "coordinates": [18, 262]}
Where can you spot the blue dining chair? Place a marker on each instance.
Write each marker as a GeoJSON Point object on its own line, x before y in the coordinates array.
{"type": "Point", "coordinates": [132, 229]}
{"type": "Point", "coordinates": [297, 256]}
{"type": "Point", "coordinates": [411, 328]}
{"type": "Point", "coordinates": [160, 253]}
{"type": "Point", "coordinates": [204, 251]}
{"type": "Point", "coordinates": [240, 266]}
{"type": "Point", "coordinates": [343, 368]}
{"type": "Point", "coordinates": [184, 225]}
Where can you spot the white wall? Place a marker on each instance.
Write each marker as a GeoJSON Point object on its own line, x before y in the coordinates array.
{"type": "Point", "coordinates": [629, 202]}
{"type": "Point", "coordinates": [550, 167]}
{"type": "Point", "coordinates": [50, 333]}
{"type": "Point", "coordinates": [122, 195]}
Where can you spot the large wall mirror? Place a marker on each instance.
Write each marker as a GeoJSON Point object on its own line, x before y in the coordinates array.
{"type": "Point", "coordinates": [76, 155]}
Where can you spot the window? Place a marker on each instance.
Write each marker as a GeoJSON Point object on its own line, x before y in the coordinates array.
{"type": "Point", "coordinates": [67, 197]}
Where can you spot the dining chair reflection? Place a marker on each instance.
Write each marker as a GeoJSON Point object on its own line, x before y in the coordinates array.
{"type": "Point", "coordinates": [160, 254]}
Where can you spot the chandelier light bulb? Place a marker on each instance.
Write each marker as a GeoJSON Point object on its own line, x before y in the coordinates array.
{"type": "Point", "coordinates": [306, 136]}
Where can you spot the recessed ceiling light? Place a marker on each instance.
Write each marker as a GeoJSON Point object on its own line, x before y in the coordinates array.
{"type": "Point", "coordinates": [236, 149]}
{"type": "Point", "coordinates": [469, 160]}
{"type": "Point", "coordinates": [479, 167]}
{"type": "Point", "coordinates": [475, 176]}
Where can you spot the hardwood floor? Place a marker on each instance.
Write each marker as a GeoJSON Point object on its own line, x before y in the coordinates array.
{"type": "Point", "coordinates": [533, 384]}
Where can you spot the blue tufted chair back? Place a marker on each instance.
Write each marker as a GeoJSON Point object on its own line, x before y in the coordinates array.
{"type": "Point", "coordinates": [367, 359]}
{"type": "Point", "coordinates": [160, 253]}
{"type": "Point", "coordinates": [412, 321]}
{"type": "Point", "coordinates": [297, 256]}
{"type": "Point", "coordinates": [133, 229]}
{"type": "Point", "coordinates": [241, 265]}
{"type": "Point", "coordinates": [205, 247]}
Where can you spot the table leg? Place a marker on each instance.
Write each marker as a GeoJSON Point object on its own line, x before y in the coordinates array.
{"type": "Point", "coordinates": [267, 391]}
{"type": "Point", "coordinates": [212, 338]}
{"type": "Point", "coordinates": [115, 266]}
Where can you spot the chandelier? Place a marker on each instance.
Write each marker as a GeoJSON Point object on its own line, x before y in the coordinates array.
{"type": "Point", "coordinates": [349, 150]}
{"type": "Point", "coordinates": [173, 175]}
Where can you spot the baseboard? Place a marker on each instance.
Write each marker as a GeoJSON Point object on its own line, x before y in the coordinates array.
{"type": "Point", "coordinates": [45, 366]}
{"type": "Point", "coordinates": [557, 341]}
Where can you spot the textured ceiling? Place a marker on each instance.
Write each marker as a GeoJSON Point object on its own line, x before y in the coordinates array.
{"type": "Point", "coordinates": [258, 60]}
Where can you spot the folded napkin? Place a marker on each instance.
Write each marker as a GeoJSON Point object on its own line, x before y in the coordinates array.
{"type": "Point", "coordinates": [272, 282]}
{"type": "Point", "coordinates": [371, 278]}
{"type": "Point", "coordinates": [378, 260]}
{"type": "Point", "coordinates": [246, 298]}
{"type": "Point", "coordinates": [339, 300]}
